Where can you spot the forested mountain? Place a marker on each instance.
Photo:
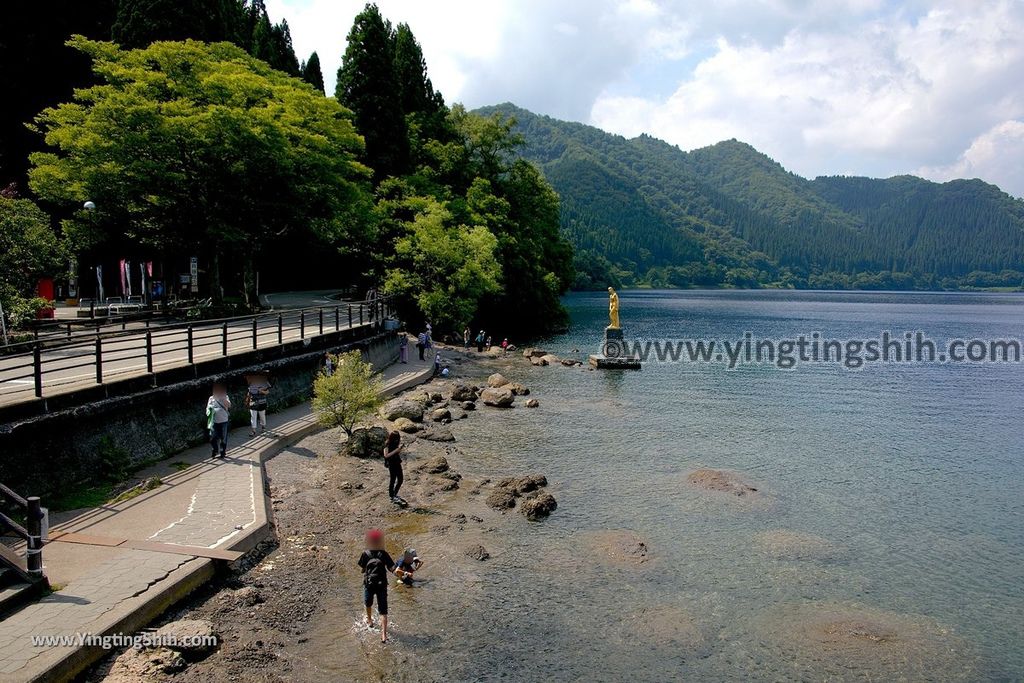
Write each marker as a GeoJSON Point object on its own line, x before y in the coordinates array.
{"type": "Point", "coordinates": [641, 211]}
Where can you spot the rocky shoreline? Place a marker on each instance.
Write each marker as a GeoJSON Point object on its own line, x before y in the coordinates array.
{"type": "Point", "coordinates": [326, 491]}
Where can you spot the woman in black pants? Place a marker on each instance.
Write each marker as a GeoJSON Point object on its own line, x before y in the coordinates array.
{"type": "Point", "coordinates": [393, 461]}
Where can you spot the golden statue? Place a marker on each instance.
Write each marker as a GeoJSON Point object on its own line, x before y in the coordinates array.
{"type": "Point", "coordinates": [613, 308]}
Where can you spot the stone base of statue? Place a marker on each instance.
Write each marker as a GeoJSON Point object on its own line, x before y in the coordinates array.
{"type": "Point", "coordinates": [615, 353]}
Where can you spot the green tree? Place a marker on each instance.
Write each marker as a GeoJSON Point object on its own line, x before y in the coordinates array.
{"type": "Point", "coordinates": [311, 72]}
{"type": "Point", "coordinates": [367, 85]}
{"type": "Point", "coordinates": [188, 147]}
{"type": "Point", "coordinates": [29, 250]}
{"type": "Point", "coordinates": [445, 268]}
{"type": "Point", "coordinates": [347, 395]}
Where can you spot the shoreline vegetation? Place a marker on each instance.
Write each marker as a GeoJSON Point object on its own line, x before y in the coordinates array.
{"type": "Point", "coordinates": [292, 610]}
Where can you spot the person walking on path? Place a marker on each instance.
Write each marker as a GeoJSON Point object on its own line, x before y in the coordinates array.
{"type": "Point", "coordinates": [217, 419]}
{"type": "Point", "coordinates": [375, 562]}
{"type": "Point", "coordinates": [256, 399]}
{"type": "Point", "coordinates": [465, 338]}
{"type": "Point", "coordinates": [504, 346]}
{"type": "Point", "coordinates": [328, 363]}
{"type": "Point", "coordinates": [393, 461]}
{"type": "Point", "coordinates": [403, 348]}
{"type": "Point", "coordinates": [480, 339]}
{"type": "Point", "coordinates": [421, 344]}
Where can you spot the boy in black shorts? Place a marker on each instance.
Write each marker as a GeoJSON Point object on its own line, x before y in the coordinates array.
{"type": "Point", "coordinates": [376, 563]}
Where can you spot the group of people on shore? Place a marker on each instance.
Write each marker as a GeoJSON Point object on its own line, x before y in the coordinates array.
{"type": "Point", "coordinates": [483, 341]}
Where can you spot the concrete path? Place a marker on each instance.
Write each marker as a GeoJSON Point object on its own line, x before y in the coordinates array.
{"type": "Point", "coordinates": [125, 568]}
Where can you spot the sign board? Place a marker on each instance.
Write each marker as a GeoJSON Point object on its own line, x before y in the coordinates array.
{"type": "Point", "coordinates": [194, 270]}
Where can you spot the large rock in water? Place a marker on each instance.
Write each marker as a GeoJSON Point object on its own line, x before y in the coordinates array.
{"type": "Point", "coordinates": [517, 388]}
{"type": "Point", "coordinates": [499, 397]}
{"type": "Point", "coordinates": [539, 361]}
{"type": "Point", "coordinates": [501, 499]}
{"type": "Point", "coordinates": [538, 506]}
{"type": "Point", "coordinates": [366, 442]}
{"type": "Point", "coordinates": [463, 392]}
{"type": "Point", "coordinates": [551, 359]}
{"type": "Point", "coordinates": [402, 407]}
{"type": "Point", "coordinates": [520, 485]}
{"type": "Point", "coordinates": [497, 380]}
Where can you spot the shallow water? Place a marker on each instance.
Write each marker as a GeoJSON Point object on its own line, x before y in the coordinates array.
{"type": "Point", "coordinates": [890, 499]}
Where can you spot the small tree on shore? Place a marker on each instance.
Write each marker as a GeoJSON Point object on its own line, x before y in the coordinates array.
{"type": "Point", "coordinates": [348, 394]}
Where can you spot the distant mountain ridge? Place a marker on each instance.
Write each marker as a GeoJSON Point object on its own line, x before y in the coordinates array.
{"type": "Point", "coordinates": [642, 212]}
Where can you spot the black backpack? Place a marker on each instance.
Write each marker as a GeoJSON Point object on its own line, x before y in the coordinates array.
{"type": "Point", "coordinates": [375, 574]}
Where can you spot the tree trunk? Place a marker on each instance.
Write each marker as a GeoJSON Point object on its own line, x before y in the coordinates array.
{"type": "Point", "coordinates": [249, 281]}
{"type": "Point", "coordinates": [216, 291]}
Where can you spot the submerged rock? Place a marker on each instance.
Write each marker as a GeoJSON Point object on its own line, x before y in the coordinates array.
{"type": "Point", "coordinates": [721, 482]}
{"type": "Point", "coordinates": [499, 397]}
{"type": "Point", "coordinates": [784, 544]}
{"type": "Point", "coordinates": [538, 506]}
{"type": "Point", "coordinates": [534, 353]}
{"type": "Point", "coordinates": [478, 552]}
{"type": "Point", "coordinates": [538, 361]}
{"type": "Point", "coordinates": [551, 359]}
{"type": "Point", "coordinates": [832, 641]}
{"type": "Point", "coordinates": [366, 442]}
{"type": "Point", "coordinates": [532, 403]}
{"type": "Point", "coordinates": [620, 547]}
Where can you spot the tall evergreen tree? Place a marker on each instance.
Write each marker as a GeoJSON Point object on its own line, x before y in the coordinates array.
{"type": "Point", "coordinates": [367, 85]}
{"type": "Point", "coordinates": [140, 22]}
{"type": "Point", "coordinates": [311, 72]}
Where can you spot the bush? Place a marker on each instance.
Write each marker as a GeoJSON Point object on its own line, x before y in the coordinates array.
{"type": "Point", "coordinates": [348, 394]}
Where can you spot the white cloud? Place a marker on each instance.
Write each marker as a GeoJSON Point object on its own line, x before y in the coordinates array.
{"type": "Point", "coordinates": [874, 87]}
{"type": "Point", "coordinates": [996, 155]}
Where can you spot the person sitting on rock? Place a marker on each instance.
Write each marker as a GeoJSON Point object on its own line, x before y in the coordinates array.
{"type": "Point", "coordinates": [409, 563]}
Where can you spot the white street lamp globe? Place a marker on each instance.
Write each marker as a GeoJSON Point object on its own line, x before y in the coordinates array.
{"type": "Point", "coordinates": [89, 206]}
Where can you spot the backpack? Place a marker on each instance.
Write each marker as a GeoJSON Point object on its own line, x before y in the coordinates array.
{"type": "Point", "coordinates": [375, 574]}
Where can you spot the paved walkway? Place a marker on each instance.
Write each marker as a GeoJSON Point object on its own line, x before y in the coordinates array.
{"type": "Point", "coordinates": [127, 564]}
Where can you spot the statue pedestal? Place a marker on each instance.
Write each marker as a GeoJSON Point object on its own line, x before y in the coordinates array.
{"type": "Point", "coordinates": [615, 352]}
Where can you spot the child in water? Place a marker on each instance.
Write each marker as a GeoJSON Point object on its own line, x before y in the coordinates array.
{"type": "Point", "coordinates": [409, 562]}
{"type": "Point", "coordinates": [376, 563]}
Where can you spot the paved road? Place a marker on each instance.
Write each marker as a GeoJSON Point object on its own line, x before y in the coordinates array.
{"type": "Point", "coordinates": [70, 367]}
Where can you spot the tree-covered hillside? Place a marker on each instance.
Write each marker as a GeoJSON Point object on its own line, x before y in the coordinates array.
{"type": "Point", "coordinates": [643, 212]}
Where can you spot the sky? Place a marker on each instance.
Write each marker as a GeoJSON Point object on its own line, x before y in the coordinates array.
{"type": "Point", "coordinates": [825, 87]}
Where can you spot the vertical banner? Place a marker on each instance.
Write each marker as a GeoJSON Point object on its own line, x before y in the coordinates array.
{"type": "Point", "coordinates": [194, 273]}
{"type": "Point", "coordinates": [100, 294]}
{"type": "Point", "coordinates": [128, 278]}
{"type": "Point", "coordinates": [120, 268]}
{"type": "Point", "coordinates": [143, 288]}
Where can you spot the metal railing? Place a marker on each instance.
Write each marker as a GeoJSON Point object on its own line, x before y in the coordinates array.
{"type": "Point", "coordinates": [31, 566]}
{"type": "Point", "coordinates": [43, 366]}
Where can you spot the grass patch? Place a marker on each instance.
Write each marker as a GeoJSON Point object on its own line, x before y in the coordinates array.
{"type": "Point", "coordinates": [135, 491]}
{"type": "Point", "coordinates": [179, 466]}
{"type": "Point", "coordinates": [88, 496]}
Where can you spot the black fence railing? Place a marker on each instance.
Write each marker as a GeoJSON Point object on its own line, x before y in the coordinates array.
{"type": "Point", "coordinates": [31, 565]}
{"type": "Point", "coordinates": [47, 365]}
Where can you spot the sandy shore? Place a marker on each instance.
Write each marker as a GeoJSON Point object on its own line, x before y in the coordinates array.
{"type": "Point", "coordinates": [272, 613]}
